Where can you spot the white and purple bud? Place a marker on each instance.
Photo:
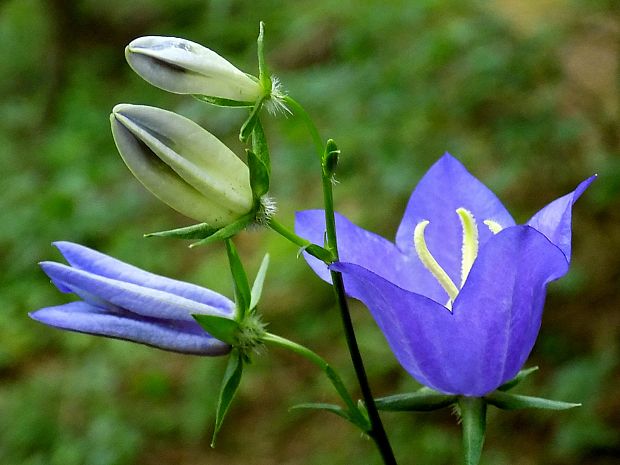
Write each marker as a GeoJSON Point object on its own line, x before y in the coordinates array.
{"type": "Point", "coordinates": [124, 302]}
{"type": "Point", "coordinates": [185, 67]}
{"type": "Point", "coordinates": [182, 164]}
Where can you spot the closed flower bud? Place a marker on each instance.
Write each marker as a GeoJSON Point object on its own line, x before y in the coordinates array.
{"type": "Point", "coordinates": [182, 164]}
{"type": "Point", "coordinates": [185, 67]}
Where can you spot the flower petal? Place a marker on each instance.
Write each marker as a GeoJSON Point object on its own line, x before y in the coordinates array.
{"type": "Point", "coordinates": [90, 260]}
{"type": "Point", "coordinates": [495, 320]}
{"type": "Point", "coordinates": [417, 329]}
{"type": "Point", "coordinates": [177, 336]}
{"type": "Point", "coordinates": [554, 220]}
{"type": "Point", "coordinates": [355, 245]}
{"type": "Point", "coordinates": [498, 312]}
{"type": "Point", "coordinates": [114, 294]}
{"type": "Point", "coordinates": [445, 187]}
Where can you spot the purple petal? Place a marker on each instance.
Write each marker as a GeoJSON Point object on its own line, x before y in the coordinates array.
{"type": "Point", "coordinates": [498, 312]}
{"type": "Point", "coordinates": [417, 329]}
{"type": "Point", "coordinates": [100, 264]}
{"type": "Point", "coordinates": [368, 250]}
{"type": "Point", "coordinates": [102, 291]}
{"type": "Point", "coordinates": [495, 320]}
{"type": "Point", "coordinates": [554, 220]}
{"type": "Point", "coordinates": [445, 187]}
{"type": "Point", "coordinates": [177, 336]}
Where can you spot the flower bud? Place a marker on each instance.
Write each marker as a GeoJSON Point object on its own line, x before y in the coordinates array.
{"type": "Point", "coordinates": [182, 164]}
{"type": "Point", "coordinates": [185, 67]}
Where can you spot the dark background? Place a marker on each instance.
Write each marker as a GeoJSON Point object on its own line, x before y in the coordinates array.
{"type": "Point", "coordinates": [525, 93]}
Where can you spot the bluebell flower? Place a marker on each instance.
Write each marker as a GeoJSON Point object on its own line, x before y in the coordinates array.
{"type": "Point", "coordinates": [124, 302]}
{"type": "Point", "coordinates": [459, 295]}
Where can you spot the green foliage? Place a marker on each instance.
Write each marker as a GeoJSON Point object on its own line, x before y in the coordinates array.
{"type": "Point", "coordinates": [396, 84]}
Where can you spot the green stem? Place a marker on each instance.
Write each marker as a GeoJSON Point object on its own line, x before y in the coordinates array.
{"type": "Point", "coordinates": [473, 412]}
{"type": "Point", "coordinates": [308, 354]}
{"type": "Point", "coordinates": [313, 249]}
{"type": "Point", "coordinates": [377, 431]}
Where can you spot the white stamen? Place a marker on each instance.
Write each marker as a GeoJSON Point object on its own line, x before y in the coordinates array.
{"type": "Point", "coordinates": [494, 226]}
{"type": "Point", "coordinates": [430, 263]}
{"type": "Point", "coordinates": [470, 242]}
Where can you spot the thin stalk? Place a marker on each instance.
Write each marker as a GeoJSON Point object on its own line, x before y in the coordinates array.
{"type": "Point", "coordinates": [377, 431]}
{"type": "Point", "coordinates": [313, 249]}
{"type": "Point", "coordinates": [313, 357]}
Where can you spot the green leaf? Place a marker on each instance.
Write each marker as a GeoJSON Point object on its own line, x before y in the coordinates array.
{"type": "Point", "coordinates": [222, 102]}
{"type": "Point", "coordinates": [337, 409]}
{"type": "Point", "coordinates": [250, 122]}
{"type": "Point", "coordinates": [219, 327]}
{"type": "Point", "coordinates": [227, 231]}
{"type": "Point", "coordinates": [195, 231]}
{"type": "Point", "coordinates": [260, 146]}
{"type": "Point", "coordinates": [263, 71]}
{"type": "Point", "coordinates": [259, 281]}
{"type": "Point", "coordinates": [422, 400]}
{"type": "Point", "coordinates": [230, 384]}
{"type": "Point", "coordinates": [506, 401]}
{"type": "Point", "coordinates": [259, 175]}
{"type": "Point", "coordinates": [243, 295]}
{"type": "Point", "coordinates": [473, 411]}
{"type": "Point", "coordinates": [517, 379]}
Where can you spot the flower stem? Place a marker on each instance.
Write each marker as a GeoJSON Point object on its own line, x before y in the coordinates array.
{"type": "Point", "coordinates": [377, 431]}
{"type": "Point", "coordinates": [473, 411]}
{"type": "Point", "coordinates": [313, 249]}
{"type": "Point", "coordinates": [313, 357]}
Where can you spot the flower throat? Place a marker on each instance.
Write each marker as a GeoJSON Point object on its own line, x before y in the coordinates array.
{"type": "Point", "coordinates": [469, 251]}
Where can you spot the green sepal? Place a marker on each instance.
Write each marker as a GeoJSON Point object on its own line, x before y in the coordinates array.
{"type": "Point", "coordinates": [259, 175]}
{"type": "Point", "coordinates": [230, 384]}
{"type": "Point", "coordinates": [195, 231]}
{"type": "Point", "coordinates": [473, 412]}
{"type": "Point", "coordinates": [222, 102]}
{"type": "Point", "coordinates": [263, 72]}
{"type": "Point", "coordinates": [333, 408]}
{"type": "Point", "coordinates": [422, 400]}
{"type": "Point", "coordinates": [517, 379]}
{"type": "Point", "coordinates": [259, 144]}
{"type": "Point", "coordinates": [243, 295]}
{"type": "Point", "coordinates": [259, 281]}
{"type": "Point", "coordinates": [227, 231]}
{"type": "Point", "coordinates": [329, 161]}
{"type": "Point", "coordinates": [506, 401]}
{"type": "Point", "coordinates": [219, 327]}
{"type": "Point", "coordinates": [250, 122]}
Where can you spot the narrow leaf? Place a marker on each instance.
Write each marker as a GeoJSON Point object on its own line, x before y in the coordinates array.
{"type": "Point", "coordinates": [260, 146]}
{"type": "Point", "coordinates": [230, 384]}
{"type": "Point", "coordinates": [259, 175]}
{"type": "Point", "coordinates": [337, 409]}
{"type": "Point", "coordinates": [506, 401]}
{"type": "Point", "coordinates": [473, 415]}
{"type": "Point", "coordinates": [250, 122]}
{"type": "Point", "coordinates": [243, 295]}
{"type": "Point", "coordinates": [195, 231]}
{"type": "Point", "coordinates": [222, 102]}
{"type": "Point", "coordinates": [517, 379]}
{"type": "Point", "coordinates": [219, 327]}
{"type": "Point", "coordinates": [422, 400]}
{"type": "Point", "coordinates": [227, 231]}
{"type": "Point", "coordinates": [259, 281]}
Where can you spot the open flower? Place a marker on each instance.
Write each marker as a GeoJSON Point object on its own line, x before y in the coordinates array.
{"type": "Point", "coordinates": [459, 296]}
{"type": "Point", "coordinates": [124, 302]}
{"type": "Point", "coordinates": [185, 67]}
{"type": "Point", "coordinates": [182, 164]}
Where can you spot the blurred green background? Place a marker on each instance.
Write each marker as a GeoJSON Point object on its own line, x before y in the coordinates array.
{"type": "Point", "coordinates": [525, 93]}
